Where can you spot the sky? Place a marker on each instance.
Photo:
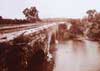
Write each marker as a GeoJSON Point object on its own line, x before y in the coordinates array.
{"type": "Point", "coordinates": [48, 8]}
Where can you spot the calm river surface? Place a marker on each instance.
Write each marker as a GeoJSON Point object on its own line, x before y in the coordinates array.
{"type": "Point", "coordinates": [77, 56]}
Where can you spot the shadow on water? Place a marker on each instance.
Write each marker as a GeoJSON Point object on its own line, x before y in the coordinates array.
{"type": "Point", "coordinates": [22, 58]}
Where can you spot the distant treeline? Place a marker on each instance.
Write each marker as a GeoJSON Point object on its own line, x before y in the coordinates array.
{"type": "Point", "coordinates": [13, 21]}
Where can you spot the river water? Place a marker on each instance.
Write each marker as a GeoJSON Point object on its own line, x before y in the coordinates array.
{"type": "Point", "coordinates": [77, 56]}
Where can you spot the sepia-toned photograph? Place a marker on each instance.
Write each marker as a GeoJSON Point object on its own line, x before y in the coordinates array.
{"type": "Point", "coordinates": [49, 35]}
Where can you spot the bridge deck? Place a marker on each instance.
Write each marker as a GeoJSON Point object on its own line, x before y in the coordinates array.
{"type": "Point", "coordinates": [29, 30]}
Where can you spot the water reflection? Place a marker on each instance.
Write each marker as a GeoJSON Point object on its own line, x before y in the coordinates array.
{"type": "Point", "coordinates": [23, 58]}
{"type": "Point", "coordinates": [78, 56]}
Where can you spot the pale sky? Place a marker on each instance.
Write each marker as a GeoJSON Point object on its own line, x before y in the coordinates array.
{"type": "Point", "coordinates": [48, 8]}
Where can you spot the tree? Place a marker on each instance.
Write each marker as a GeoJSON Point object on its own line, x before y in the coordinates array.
{"type": "Point", "coordinates": [0, 17]}
{"type": "Point", "coordinates": [91, 15]}
{"type": "Point", "coordinates": [31, 14]}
